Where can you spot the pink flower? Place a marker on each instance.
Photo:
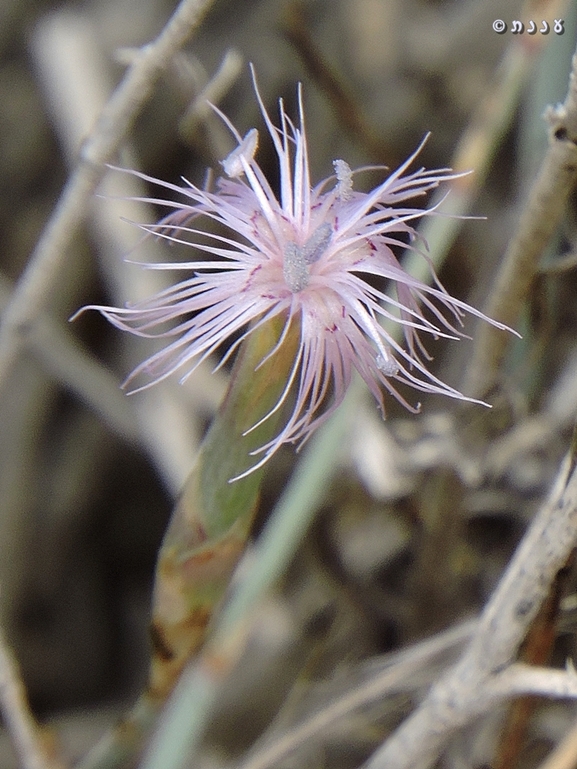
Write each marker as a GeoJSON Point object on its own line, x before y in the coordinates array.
{"type": "Point", "coordinates": [304, 255]}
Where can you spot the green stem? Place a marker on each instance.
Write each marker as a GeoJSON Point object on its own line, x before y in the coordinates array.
{"type": "Point", "coordinates": [211, 521]}
{"type": "Point", "coordinates": [207, 532]}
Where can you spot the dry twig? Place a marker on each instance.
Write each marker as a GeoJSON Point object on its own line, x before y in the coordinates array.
{"type": "Point", "coordinates": [397, 676]}
{"type": "Point", "coordinates": [33, 750]}
{"type": "Point", "coordinates": [483, 676]}
{"type": "Point", "coordinates": [539, 220]}
{"type": "Point", "coordinates": [72, 71]}
{"type": "Point", "coordinates": [63, 357]}
{"type": "Point", "coordinates": [565, 754]}
{"type": "Point", "coordinates": [347, 109]}
{"type": "Point", "coordinates": [41, 274]}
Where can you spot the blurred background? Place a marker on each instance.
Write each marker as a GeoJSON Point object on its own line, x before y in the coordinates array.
{"type": "Point", "coordinates": [88, 475]}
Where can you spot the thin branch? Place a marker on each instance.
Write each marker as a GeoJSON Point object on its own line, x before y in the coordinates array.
{"type": "Point", "coordinates": [42, 271]}
{"type": "Point", "coordinates": [33, 751]}
{"type": "Point", "coordinates": [63, 357]}
{"type": "Point", "coordinates": [541, 216]}
{"type": "Point", "coordinates": [475, 151]}
{"type": "Point", "coordinates": [537, 648]}
{"type": "Point", "coordinates": [75, 82]}
{"type": "Point", "coordinates": [297, 29]}
{"type": "Point", "coordinates": [399, 675]}
{"type": "Point", "coordinates": [526, 679]}
{"type": "Point", "coordinates": [212, 93]}
{"type": "Point", "coordinates": [458, 696]}
{"type": "Point", "coordinates": [564, 756]}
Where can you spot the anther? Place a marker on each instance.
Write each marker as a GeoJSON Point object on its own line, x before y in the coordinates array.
{"type": "Point", "coordinates": [232, 163]}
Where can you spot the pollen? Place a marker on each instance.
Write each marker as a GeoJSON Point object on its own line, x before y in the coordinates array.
{"type": "Point", "coordinates": [295, 268]}
{"type": "Point", "coordinates": [296, 259]}
{"type": "Point", "coordinates": [317, 244]}
{"type": "Point", "coordinates": [344, 179]}
{"type": "Point", "coordinates": [387, 365]}
{"type": "Point", "coordinates": [232, 164]}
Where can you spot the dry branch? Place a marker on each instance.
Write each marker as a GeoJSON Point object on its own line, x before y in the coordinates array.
{"type": "Point", "coordinates": [541, 216]}
{"type": "Point", "coordinates": [42, 271]}
{"type": "Point", "coordinates": [482, 676]}
{"type": "Point", "coordinates": [75, 82]}
{"type": "Point", "coordinates": [33, 749]}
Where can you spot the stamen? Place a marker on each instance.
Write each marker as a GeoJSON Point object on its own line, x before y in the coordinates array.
{"type": "Point", "coordinates": [388, 365]}
{"type": "Point", "coordinates": [317, 244]}
{"type": "Point", "coordinates": [344, 179]}
{"type": "Point", "coordinates": [297, 258]}
{"type": "Point", "coordinates": [295, 269]}
{"type": "Point", "coordinates": [232, 163]}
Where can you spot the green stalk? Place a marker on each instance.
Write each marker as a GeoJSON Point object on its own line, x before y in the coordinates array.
{"type": "Point", "coordinates": [207, 532]}
{"type": "Point", "coordinates": [211, 521]}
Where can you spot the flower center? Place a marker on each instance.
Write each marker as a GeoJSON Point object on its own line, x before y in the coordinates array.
{"type": "Point", "coordinates": [296, 259]}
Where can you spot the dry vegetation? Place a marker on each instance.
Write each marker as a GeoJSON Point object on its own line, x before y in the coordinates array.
{"type": "Point", "coordinates": [417, 517]}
